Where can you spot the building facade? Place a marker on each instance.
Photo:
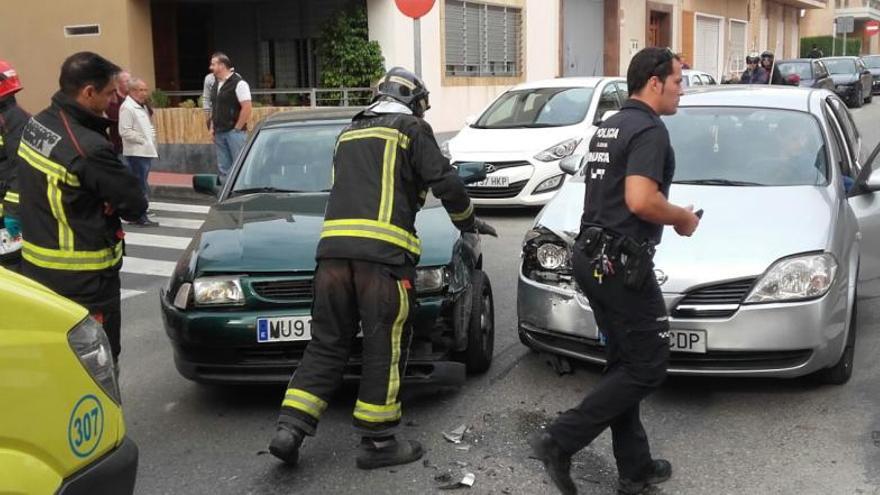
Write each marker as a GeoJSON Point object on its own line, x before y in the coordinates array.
{"type": "Point", "coordinates": [471, 49]}
{"type": "Point", "coordinates": [820, 22]}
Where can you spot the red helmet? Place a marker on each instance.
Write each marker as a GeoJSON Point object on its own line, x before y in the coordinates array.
{"type": "Point", "coordinates": [9, 82]}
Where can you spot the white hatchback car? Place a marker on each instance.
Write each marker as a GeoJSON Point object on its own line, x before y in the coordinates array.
{"type": "Point", "coordinates": [524, 133]}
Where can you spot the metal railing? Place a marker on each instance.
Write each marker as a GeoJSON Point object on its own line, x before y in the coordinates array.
{"type": "Point", "coordinates": [313, 97]}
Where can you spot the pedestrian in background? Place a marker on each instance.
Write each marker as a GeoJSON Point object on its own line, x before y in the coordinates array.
{"type": "Point", "coordinates": [230, 111]}
{"type": "Point", "coordinates": [628, 175]}
{"type": "Point", "coordinates": [74, 190]}
{"type": "Point", "coordinates": [815, 52]}
{"type": "Point", "coordinates": [754, 73]}
{"type": "Point", "coordinates": [122, 81]}
{"type": "Point", "coordinates": [207, 86]}
{"type": "Point", "coordinates": [138, 138]}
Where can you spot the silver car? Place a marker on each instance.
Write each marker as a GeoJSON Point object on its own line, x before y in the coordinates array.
{"type": "Point", "coordinates": [767, 285]}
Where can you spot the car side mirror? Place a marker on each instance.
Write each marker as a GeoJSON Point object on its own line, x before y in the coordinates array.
{"type": "Point", "coordinates": [471, 172]}
{"type": "Point", "coordinates": [571, 164]}
{"type": "Point", "coordinates": [873, 182]}
{"type": "Point", "coordinates": [206, 184]}
{"type": "Point", "coordinates": [469, 120]}
{"type": "Point", "coordinates": [605, 116]}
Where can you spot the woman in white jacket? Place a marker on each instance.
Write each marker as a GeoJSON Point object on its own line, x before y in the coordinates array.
{"type": "Point", "coordinates": [138, 137]}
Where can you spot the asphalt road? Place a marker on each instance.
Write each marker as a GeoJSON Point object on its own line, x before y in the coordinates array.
{"type": "Point", "coordinates": [722, 436]}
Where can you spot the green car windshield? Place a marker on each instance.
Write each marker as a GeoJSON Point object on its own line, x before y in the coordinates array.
{"type": "Point", "coordinates": [289, 159]}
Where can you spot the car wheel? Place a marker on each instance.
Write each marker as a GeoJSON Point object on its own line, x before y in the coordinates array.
{"type": "Point", "coordinates": [841, 372]}
{"type": "Point", "coordinates": [481, 330]}
{"type": "Point", "coordinates": [858, 99]}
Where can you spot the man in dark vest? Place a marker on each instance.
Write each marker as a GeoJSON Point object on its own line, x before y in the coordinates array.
{"type": "Point", "coordinates": [230, 111]}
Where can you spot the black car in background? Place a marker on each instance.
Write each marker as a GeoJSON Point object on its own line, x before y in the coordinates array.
{"type": "Point", "coordinates": [853, 82]}
{"type": "Point", "coordinates": [873, 64]}
{"type": "Point", "coordinates": [811, 72]}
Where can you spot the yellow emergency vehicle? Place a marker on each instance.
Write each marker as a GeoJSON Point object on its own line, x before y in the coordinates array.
{"type": "Point", "coordinates": [61, 425]}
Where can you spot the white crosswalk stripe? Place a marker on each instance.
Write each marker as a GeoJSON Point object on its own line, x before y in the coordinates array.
{"type": "Point", "coordinates": [152, 253]}
{"type": "Point", "coordinates": [180, 223]}
{"type": "Point", "coordinates": [178, 207]}
{"type": "Point", "coordinates": [153, 240]}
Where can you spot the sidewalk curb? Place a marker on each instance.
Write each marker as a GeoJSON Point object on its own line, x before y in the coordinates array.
{"type": "Point", "coordinates": [179, 194]}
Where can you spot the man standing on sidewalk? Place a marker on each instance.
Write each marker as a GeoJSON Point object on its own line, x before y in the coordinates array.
{"type": "Point", "coordinates": [230, 111]}
{"type": "Point", "coordinates": [74, 190]}
{"type": "Point", "coordinates": [122, 81]}
{"type": "Point", "coordinates": [138, 138]}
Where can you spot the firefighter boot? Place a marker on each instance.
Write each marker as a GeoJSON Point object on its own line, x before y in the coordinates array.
{"type": "Point", "coordinates": [286, 443]}
{"type": "Point", "coordinates": [661, 471]}
{"type": "Point", "coordinates": [556, 462]}
{"type": "Point", "coordinates": [387, 451]}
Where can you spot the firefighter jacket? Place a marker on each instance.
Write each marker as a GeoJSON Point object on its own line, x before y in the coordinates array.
{"type": "Point", "coordinates": [12, 122]}
{"type": "Point", "coordinates": [73, 191]}
{"type": "Point", "coordinates": [383, 167]}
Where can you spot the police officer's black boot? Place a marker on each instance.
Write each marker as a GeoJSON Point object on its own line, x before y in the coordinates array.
{"type": "Point", "coordinates": [387, 451]}
{"type": "Point", "coordinates": [556, 461]}
{"type": "Point", "coordinates": [286, 443]}
{"type": "Point", "coordinates": [661, 470]}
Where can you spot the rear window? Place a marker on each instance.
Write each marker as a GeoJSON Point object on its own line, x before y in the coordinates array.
{"type": "Point", "coordinates": [544, 107]}
{"type": "Point", "coordinates": [752, 146]}
{"type": "Point", "coordinates": [802, 69]}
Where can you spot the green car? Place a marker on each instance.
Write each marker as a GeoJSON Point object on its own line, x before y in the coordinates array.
{"type": "Point", "coordinates": [237, 308]}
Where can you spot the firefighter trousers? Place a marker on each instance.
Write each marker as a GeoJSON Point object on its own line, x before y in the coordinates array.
{"type": "Point", "coordinates": [350, 296]}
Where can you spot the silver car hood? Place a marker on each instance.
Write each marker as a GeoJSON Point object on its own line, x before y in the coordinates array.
{"type": "Point", "coordinates": [743, 231]}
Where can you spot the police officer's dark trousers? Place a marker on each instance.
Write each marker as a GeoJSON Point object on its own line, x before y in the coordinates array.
{"type": "Point", "coordinates": [635, 323]}
{"type": "Point", "coordinates": [349, 296]}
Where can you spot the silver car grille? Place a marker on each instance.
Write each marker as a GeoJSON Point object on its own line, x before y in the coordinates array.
{"type": "Point", "coordinates": [713, 301]}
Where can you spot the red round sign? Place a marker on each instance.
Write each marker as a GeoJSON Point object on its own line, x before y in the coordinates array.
{"type": "Point", "coordinates": [414, 8]}
{"type": "Point", "coordinates": [872, 27]}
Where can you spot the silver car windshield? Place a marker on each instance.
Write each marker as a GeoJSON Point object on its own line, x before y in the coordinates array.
{"type": "Point", "coordinates": [543, 107]}
{"type": "Point", "coordinates": [289, 159]}
{"type": "Point", "coordinates": [727, 146]}
{"type": "Point", "coordinates": [872, 62]}
{"type": "Point", "coordinates": [841, 66]}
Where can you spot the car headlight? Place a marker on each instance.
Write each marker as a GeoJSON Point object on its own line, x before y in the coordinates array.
{"type": "Point", "coordinates": [90, 344]}
{"type": "Point", "coordinates": [800, 277]}
{"type": "Point", "coordinates": [211, 291]}
{"type": "Point", "coordinates": [444, 149]}
{"type": "Point", "coordinates": [553, 256]}
{"type": "Point", "coordinates": [550, 184]}
{"type": "Point", "coordinates": [430, 280]}
{"type": "Point", "coordinates": [558, 151]}
{"type": "Point", "coordinates": [842, 87]}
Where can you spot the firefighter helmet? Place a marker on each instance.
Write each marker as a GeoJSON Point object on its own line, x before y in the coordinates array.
{"type": "Point", "coordinates": [9, 82]}
{"type": "Point", "coordinates": [405, 87]}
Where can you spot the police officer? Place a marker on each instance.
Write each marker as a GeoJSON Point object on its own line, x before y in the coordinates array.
{"type": "Point", "coordinates": [73, 192]}
{"type": "Point", "coordinates": [628, 172]}
{"type": "Point", "coordinates": [12, 121]}
{"type": "Point", "coordinates": [385, 162]}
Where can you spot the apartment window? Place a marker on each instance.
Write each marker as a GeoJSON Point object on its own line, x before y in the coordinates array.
{"type": "Point", "coordinates": [737, 55]}
{"type": "Point", "coordinates": [483, 40]}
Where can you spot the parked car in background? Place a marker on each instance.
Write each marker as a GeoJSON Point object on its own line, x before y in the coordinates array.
{"type": "Point", "coordinates": [63, 431]}
{"type": "Point", "coordinates": [852, 79]}
{"type": "Point", "coordinates": [768, 284]}
{"type": "Point", "coordinates": [811, 72]}
{"type": "Point", "coordinates": [523, 134]}
{"type": "Point", "coordinates": [872, 62]}
{"type": "Point", "coordinates": [691, 78]}
{"type": "Point", "coordinates": [238, 306]}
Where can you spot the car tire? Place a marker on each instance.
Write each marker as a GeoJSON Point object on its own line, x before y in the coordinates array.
{"type": "Point", "coordinates": [841, 372]}
{"type": "Point", "coordinates": [481, 329]}
{"type": "Point", "coordinates": [858, 98]}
